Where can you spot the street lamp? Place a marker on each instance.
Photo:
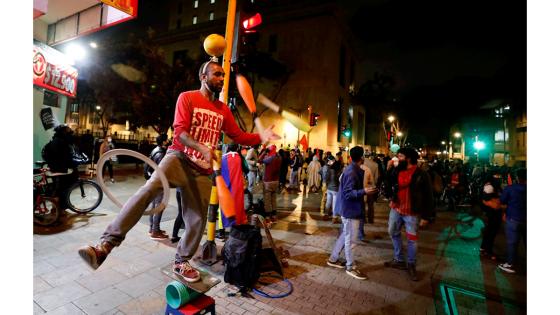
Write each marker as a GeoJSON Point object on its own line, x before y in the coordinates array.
{"type": "Point", "coordinates": [399, 134]}
{"type": "Point", "coordinates": [457, 135]}
{"type": "Point", "coordinates": [391, 118]}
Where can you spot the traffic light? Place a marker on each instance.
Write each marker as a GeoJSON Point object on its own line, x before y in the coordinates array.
{"type": "Point", "coordinates": [346, 131]}
{"type": "Point", "coordinates": [314, 119]}
{"type": "Point", "coordinates": [247, 20]}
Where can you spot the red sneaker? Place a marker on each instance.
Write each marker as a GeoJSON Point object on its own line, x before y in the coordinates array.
{"type": "Point", "coordinates": [185, 270]}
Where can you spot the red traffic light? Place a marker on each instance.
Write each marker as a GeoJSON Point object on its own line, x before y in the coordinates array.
{"type": "Point", "coordinates": [252, 22]}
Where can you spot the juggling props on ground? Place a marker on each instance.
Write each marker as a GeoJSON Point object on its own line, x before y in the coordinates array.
{"type": "Point", "coordinates": [219, 195]}
{"type": "Point", "coordinates": [289, 116]}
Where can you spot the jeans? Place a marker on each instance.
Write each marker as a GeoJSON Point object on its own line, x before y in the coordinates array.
{"type": "Point", "coordinates": [294, 183]}
{"type": "Point", "coordinates": [345, 240]}
{"type": "Point", "coordinates": [515, 230]}
{"type": "Point", "coordinates": [155, 219]}
{"type": "Point", "coordinates": [251, 181]}
{"type": "Point", "coordinates": [195, 197]}
{"type": "Point", "coordinates": [370, 201]}
{"type": "Point", "coordinates": [331, 201]}
{"type": "Point", "coordinates": [396, 221]}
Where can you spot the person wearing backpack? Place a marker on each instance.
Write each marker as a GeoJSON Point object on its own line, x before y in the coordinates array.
{"type": "Point", "coordinates": [61, 156]}
{"type": "Point", "coordinates": [156, 155]}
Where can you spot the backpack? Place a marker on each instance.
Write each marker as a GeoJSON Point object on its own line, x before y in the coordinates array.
{"type": "Point", "coordinates": [241, 254]}
{"type": "Point", "coordinates": [47, 153]}
{"type": "Point", "coordinates": [148, 170]}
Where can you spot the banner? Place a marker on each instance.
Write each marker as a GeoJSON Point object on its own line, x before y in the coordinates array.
{"type": "Point", "coordinates": [52, 70]}
{"type": "Point", "coordinates": [129, 7]}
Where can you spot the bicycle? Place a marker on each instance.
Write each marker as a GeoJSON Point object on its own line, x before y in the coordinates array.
{"type": "Point", "coordinates": [82, 196]}
{"type": "Point", "coordinates": [45, 205]}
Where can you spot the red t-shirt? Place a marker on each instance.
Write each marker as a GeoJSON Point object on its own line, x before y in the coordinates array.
{"type": "Point", "coordinates": [204, 121]}
{"type": "Point", "coordinates": [405, 177]}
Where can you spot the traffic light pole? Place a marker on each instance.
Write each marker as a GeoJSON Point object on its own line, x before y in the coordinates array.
{"type": "Point", "coordinates": [226, 63]}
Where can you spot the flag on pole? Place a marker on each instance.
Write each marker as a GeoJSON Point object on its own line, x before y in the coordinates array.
{"type": "Point", "coordinates": [304, 143]}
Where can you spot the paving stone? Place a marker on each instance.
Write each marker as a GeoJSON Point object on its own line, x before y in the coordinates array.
{"type": "Point", "coordinates": [65, 260]}
{"type": "Point", "coordinates": [102, 301]}
{"type": "Point", "coordinates": [131, 268]}
{"type": "Point", "coordinates": [40, 285]}
{"type": "Point", "coordinates": [139, 285]}
{"type": "Point", "coordinates": [53, 298]}
{"type": "Point", "coordinates": [64, 275]}
{"type": "Point", "coordinates": [101, 279]}
{"type": "Point", "coordinates": [37, 309]}
{"type": "Point", "coordinates": [68, 309]}
{"type": "Point", "coordinates": [42, 267]}
{"type": "Point", "coordinates": [149, 303]}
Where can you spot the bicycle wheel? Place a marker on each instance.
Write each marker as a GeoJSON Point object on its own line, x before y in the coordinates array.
{"type": "Point", "coordinates": [84, 196]}
{"type": "Point", "coordinates": [46, 211]}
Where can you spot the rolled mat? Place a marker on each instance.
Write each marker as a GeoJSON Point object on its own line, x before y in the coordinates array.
{"type": "Point", "coordinates": [178, 294]}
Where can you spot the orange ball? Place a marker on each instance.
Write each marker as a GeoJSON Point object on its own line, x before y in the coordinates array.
{"type": "Point", "coordinates": [215, 45]}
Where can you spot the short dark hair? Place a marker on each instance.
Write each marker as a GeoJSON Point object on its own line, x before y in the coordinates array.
{"type": "Point", "coordinates": [161, 138]}
{"type": "Point", "coordinates": [356, 153]}
{"type": "Point", "coordinates": [204, 67]}
{"type": "Point", "coordinates": [410, 153]}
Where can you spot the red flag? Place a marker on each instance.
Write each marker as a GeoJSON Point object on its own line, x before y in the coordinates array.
{"type": "Point", "coordinates": [304, 143]}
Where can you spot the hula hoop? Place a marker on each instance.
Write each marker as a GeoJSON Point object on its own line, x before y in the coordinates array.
{"type": "Point", "coordinates": [165, 184]}
{"type": "Point", "coordinates": [279, 296]}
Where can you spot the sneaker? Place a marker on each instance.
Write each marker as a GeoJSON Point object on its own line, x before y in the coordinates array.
{"type": "Point", "coordinates": [175, 239]}
{"type": "Point", "coordinates": [337, 264]}
{"type": "Point", "coordinates": [94, 256]}
{"type": "Point", "coordinates": [395, 264]}
{"type": "Point", "coordinates": [507, 267]}
{"type": "Point", "coordinates": [186, 271]}
{"type": "Point", "coordinates": [354, 272]}
{"type": "Point", "coordinates": [412, 272]}
{"type": "Point", "coordinates": [158, 235]}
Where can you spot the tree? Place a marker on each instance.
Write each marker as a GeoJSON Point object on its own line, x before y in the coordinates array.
{"type": "Point", "coordinates": [149, 100]}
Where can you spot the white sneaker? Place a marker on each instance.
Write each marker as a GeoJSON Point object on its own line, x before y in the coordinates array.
{"type": "Point", "coordinates": [507, 267]}
{"type": "Point", "coordinates": [354, 272]}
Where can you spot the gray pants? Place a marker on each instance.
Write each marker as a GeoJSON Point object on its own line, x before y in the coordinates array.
{"type": "Point", "coordinates": [195, 196]}
{"type": "Point", "coordinates": [269, 194]}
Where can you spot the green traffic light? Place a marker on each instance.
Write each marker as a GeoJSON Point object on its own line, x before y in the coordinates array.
{"type": "Point", "coordinates": [479, 145]}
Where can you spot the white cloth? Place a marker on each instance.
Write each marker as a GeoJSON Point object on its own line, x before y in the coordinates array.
{"type": "Point", "coordinates": [313, 173]}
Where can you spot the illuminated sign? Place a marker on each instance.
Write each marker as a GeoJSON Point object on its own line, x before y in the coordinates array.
{"type": "Point", "coordinates": [51, 71]}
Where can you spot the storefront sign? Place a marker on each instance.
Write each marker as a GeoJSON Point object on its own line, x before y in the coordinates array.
{"type": "Point", "coordinates": [129, 7]}
{"type": "Point", "coordinates": [51, 71]}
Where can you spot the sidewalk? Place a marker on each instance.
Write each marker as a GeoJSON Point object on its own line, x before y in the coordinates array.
{"type": "Point", "coordinates": [130, 281]}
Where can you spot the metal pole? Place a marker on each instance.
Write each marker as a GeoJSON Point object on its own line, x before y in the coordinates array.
{"type": "Point", "coordinates": [226, 63]}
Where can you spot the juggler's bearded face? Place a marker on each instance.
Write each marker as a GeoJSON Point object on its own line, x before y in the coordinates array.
{"type": "Point", "coordinates": [213, 79]}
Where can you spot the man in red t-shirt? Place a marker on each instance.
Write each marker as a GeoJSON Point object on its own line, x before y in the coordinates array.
{"type": "Point", "coordinates": [413, 201]}
{"type": "Point", "coordinates": [199, 120]}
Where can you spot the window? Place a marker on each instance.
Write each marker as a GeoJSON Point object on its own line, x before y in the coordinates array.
{"type": "Point", "coordinates": [178, 24]}
{"type": "Point", "coordinates": [342, 66]}
{"type": "Point", "coordinates": [194, 19]}
{"type": "Point", "coordinates": [195, 4]}
{"type": "Point", "coordinates": [272, 43]}
{"type": "Point", "coordinates": [180, 8]}
{"type": "Point", "coordinates": [211, 17]}
{"type": "Point", "coordinates": [74, 108]}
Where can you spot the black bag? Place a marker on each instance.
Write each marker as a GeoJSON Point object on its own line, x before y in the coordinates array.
{"type": "Point", "coordinates": [241, 254]}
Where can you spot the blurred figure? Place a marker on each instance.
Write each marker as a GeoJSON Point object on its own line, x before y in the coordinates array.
{"type": "Point", "coordinates": [156, 155]}
{"type": "Point", "coordinates": [251, 159]}
{"type": "Point", "coordinates": [515, 199]}
{"type": "Point", "coordinates": [272, 162]}
{"type": "Point", "coordinates": [106, 146]}
{"type": "Point", "coordinates": [314, 175]}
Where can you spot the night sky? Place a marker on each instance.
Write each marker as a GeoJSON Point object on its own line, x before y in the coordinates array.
{"type": "Point", "coordinates": [448, 57]}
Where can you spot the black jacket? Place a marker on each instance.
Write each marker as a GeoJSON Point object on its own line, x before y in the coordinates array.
{"type": "Point", "coordinates": [421, 194]}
